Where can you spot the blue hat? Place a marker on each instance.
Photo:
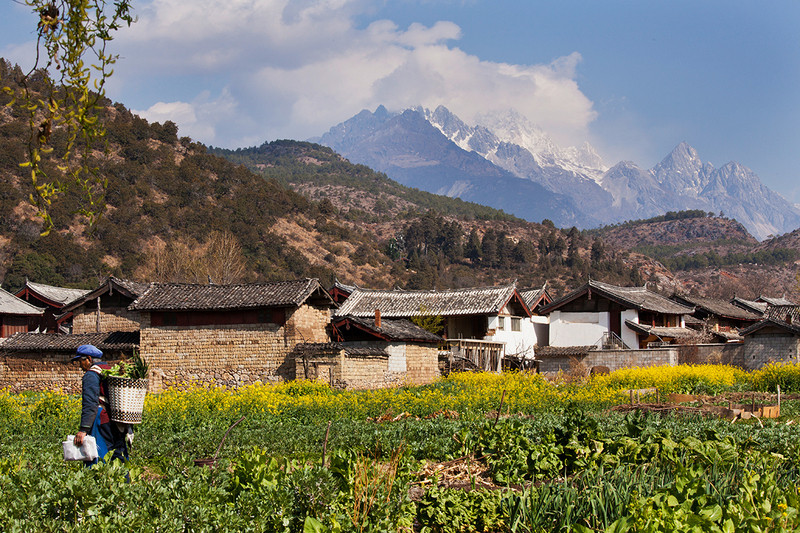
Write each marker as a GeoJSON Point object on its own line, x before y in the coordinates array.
{"type": "Point", "coordinates": [87, 350]}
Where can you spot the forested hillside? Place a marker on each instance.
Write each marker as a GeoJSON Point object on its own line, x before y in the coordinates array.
{"type": "Point", "coordinates": [712, 254]}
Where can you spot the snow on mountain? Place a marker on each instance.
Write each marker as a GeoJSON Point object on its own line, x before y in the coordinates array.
{"type": "Point", "coordinates": [439, 152]}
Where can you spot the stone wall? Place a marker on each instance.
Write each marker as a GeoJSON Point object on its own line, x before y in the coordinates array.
{"type": "Point", "coordinates": [112, 319]}
{"type": "Point", "coordinates": [228, 355]}
{"type": "Point", "coordinates": [761, 349]}
{"type": "Point", "coordinates": [613, 359]}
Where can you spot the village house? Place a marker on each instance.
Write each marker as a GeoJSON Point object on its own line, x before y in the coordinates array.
{"type": "Point", "coordinates": [106, 308]}
{"type": "Point", "coordinates": [41, 361]}
{"type": "Point", "coordinates": [371, 353]}
{"type": "Point", "coordinates": [483, 325]}
{"type": "Point", "coordinates": [607, 316]}
{"type": "Point", "coordinates": [17, 315]}
{"type": "Point", "coordinates": [230, 335]}
{"type": "Point", "coordinates": [774, 339]}
{"type": "Point", "coordinates": [760, 304]}
{"type": "Point", "coordinates": [535, 299]}
{"type": "Point", "coordinates": [340, 292]}
{"type": "Point", "coordinates": [53, 300]}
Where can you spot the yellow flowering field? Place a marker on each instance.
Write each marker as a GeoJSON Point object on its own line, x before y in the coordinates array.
{"type": "Point", "coordinates": [685, 379]}
{"type": "Point", "coordinates": [462, 393]}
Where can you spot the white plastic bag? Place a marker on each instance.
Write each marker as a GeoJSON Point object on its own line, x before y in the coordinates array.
{"type": "Point", "coordinates": [87, 451]}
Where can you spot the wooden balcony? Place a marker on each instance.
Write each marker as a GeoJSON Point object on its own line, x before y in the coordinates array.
{"type": "Point", "coordinates": [486, 355]}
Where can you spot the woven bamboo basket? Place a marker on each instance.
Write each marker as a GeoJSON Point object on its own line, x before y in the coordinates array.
{"type": "Point", "coordinates": [126, 399]}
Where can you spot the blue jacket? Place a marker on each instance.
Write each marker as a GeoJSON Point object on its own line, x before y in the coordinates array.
{"type": "Point", "coordinates": [92, 387]}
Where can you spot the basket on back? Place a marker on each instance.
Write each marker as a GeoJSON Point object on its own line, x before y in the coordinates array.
{"type": "Point", "coordinates": [126, 399]}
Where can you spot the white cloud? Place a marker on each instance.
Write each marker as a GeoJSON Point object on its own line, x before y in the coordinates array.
{"type": "Point", "coordinates": [294, 68]}
{"type": "Point", "coordinates": [198, 119]}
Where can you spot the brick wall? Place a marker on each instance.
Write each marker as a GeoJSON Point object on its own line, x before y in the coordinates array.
{"type": "Point", "coordinates": [338, 369]}
{"type": "Point", "coordinates": [361, 371]}
{"type": "Point", "coordinates": [112, 319]}
{"type": "Point", "coordinates": [310, 324]}
{"type": "Point", "coordinates": [40, 371]}
{"type": "Point", "coordinates": [422, 363]}
{"type": "Point", "coordinates": [368, 372]}
{"type": "Point", "coordinates": [228, 355]}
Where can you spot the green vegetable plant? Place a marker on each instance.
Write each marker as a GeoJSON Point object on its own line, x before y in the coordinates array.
{"type": "Point", "coordinates": [136, 368]}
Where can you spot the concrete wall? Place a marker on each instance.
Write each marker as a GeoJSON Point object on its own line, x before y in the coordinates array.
{"type": "Point", "coordinates": [629, 337]}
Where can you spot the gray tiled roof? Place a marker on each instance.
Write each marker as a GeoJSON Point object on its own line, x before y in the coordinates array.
{"type": "Point", "coordinates": [115, 340]}
{"type": "Point", "coordinates": [750, 305]}
{"type": "Point", "coordinates": [718, 307]}
{"type": "Point", "coordinates": [786, 313]}
{"type": "Point", "coordinates": [404, 304]}
{"type": "Point", "coordinates": [775, 301]}
{"type": "Point", "coordinates": [333, 348]}
{"type": "Point", "coordinates": [633, 297]}
{"type": "Point", "coordinates": [794, 329]}
{"type": "Point", "coordinates": [180, 296]}
{"type": "Point", "coordinates": [394, 329]}
{"type": "Point", "coordinates": [563, 351]}
{"type": "Point", "coordinates": [60, 295]}
{"type": "Point", "coordinates": [662, 331]}
{"type": "Point", "coordinates": [11, 305]}
{"type": "Point", "coordinates": [532, 296]}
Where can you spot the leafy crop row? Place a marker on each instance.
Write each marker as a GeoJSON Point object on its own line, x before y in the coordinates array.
{"type": "Point", "coordinates": [556, 459]}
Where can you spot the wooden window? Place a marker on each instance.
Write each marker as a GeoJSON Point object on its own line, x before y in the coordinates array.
{"type": "Point", "coordinates": [516, 323]}
{"type": "Point", "coordinates": [501, 323]}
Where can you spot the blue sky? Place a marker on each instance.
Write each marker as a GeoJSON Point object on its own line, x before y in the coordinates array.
{"type": "Point", "coordinates": [633, 78]}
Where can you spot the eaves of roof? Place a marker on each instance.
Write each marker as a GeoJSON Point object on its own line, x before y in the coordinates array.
{"type": "Point", "coordinates": [51, 295]}
{"type": "Point", "coordinates": [131, 290]}
{"type": "Point", "coordinates": [791, 328]}
{"type": "Point", "coordinates": [11, 305]}
{"type": "Point", "coordinates": [390, 329]}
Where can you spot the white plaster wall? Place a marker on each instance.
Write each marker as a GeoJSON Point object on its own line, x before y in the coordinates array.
{"type": "Point", "coordinates": [397, 357]}
{"type": "Point", "coordinates": [518, 343]}
{"type": "Point", "coordinates": [541, 328]}
{"type": "Point", "coordinates": [628, 335]}
{"type": "Point", "coordinates": [577, 329]}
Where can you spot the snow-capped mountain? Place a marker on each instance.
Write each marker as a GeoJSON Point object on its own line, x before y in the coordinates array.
{"type": "Point", "coordinates": [506, 162]}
